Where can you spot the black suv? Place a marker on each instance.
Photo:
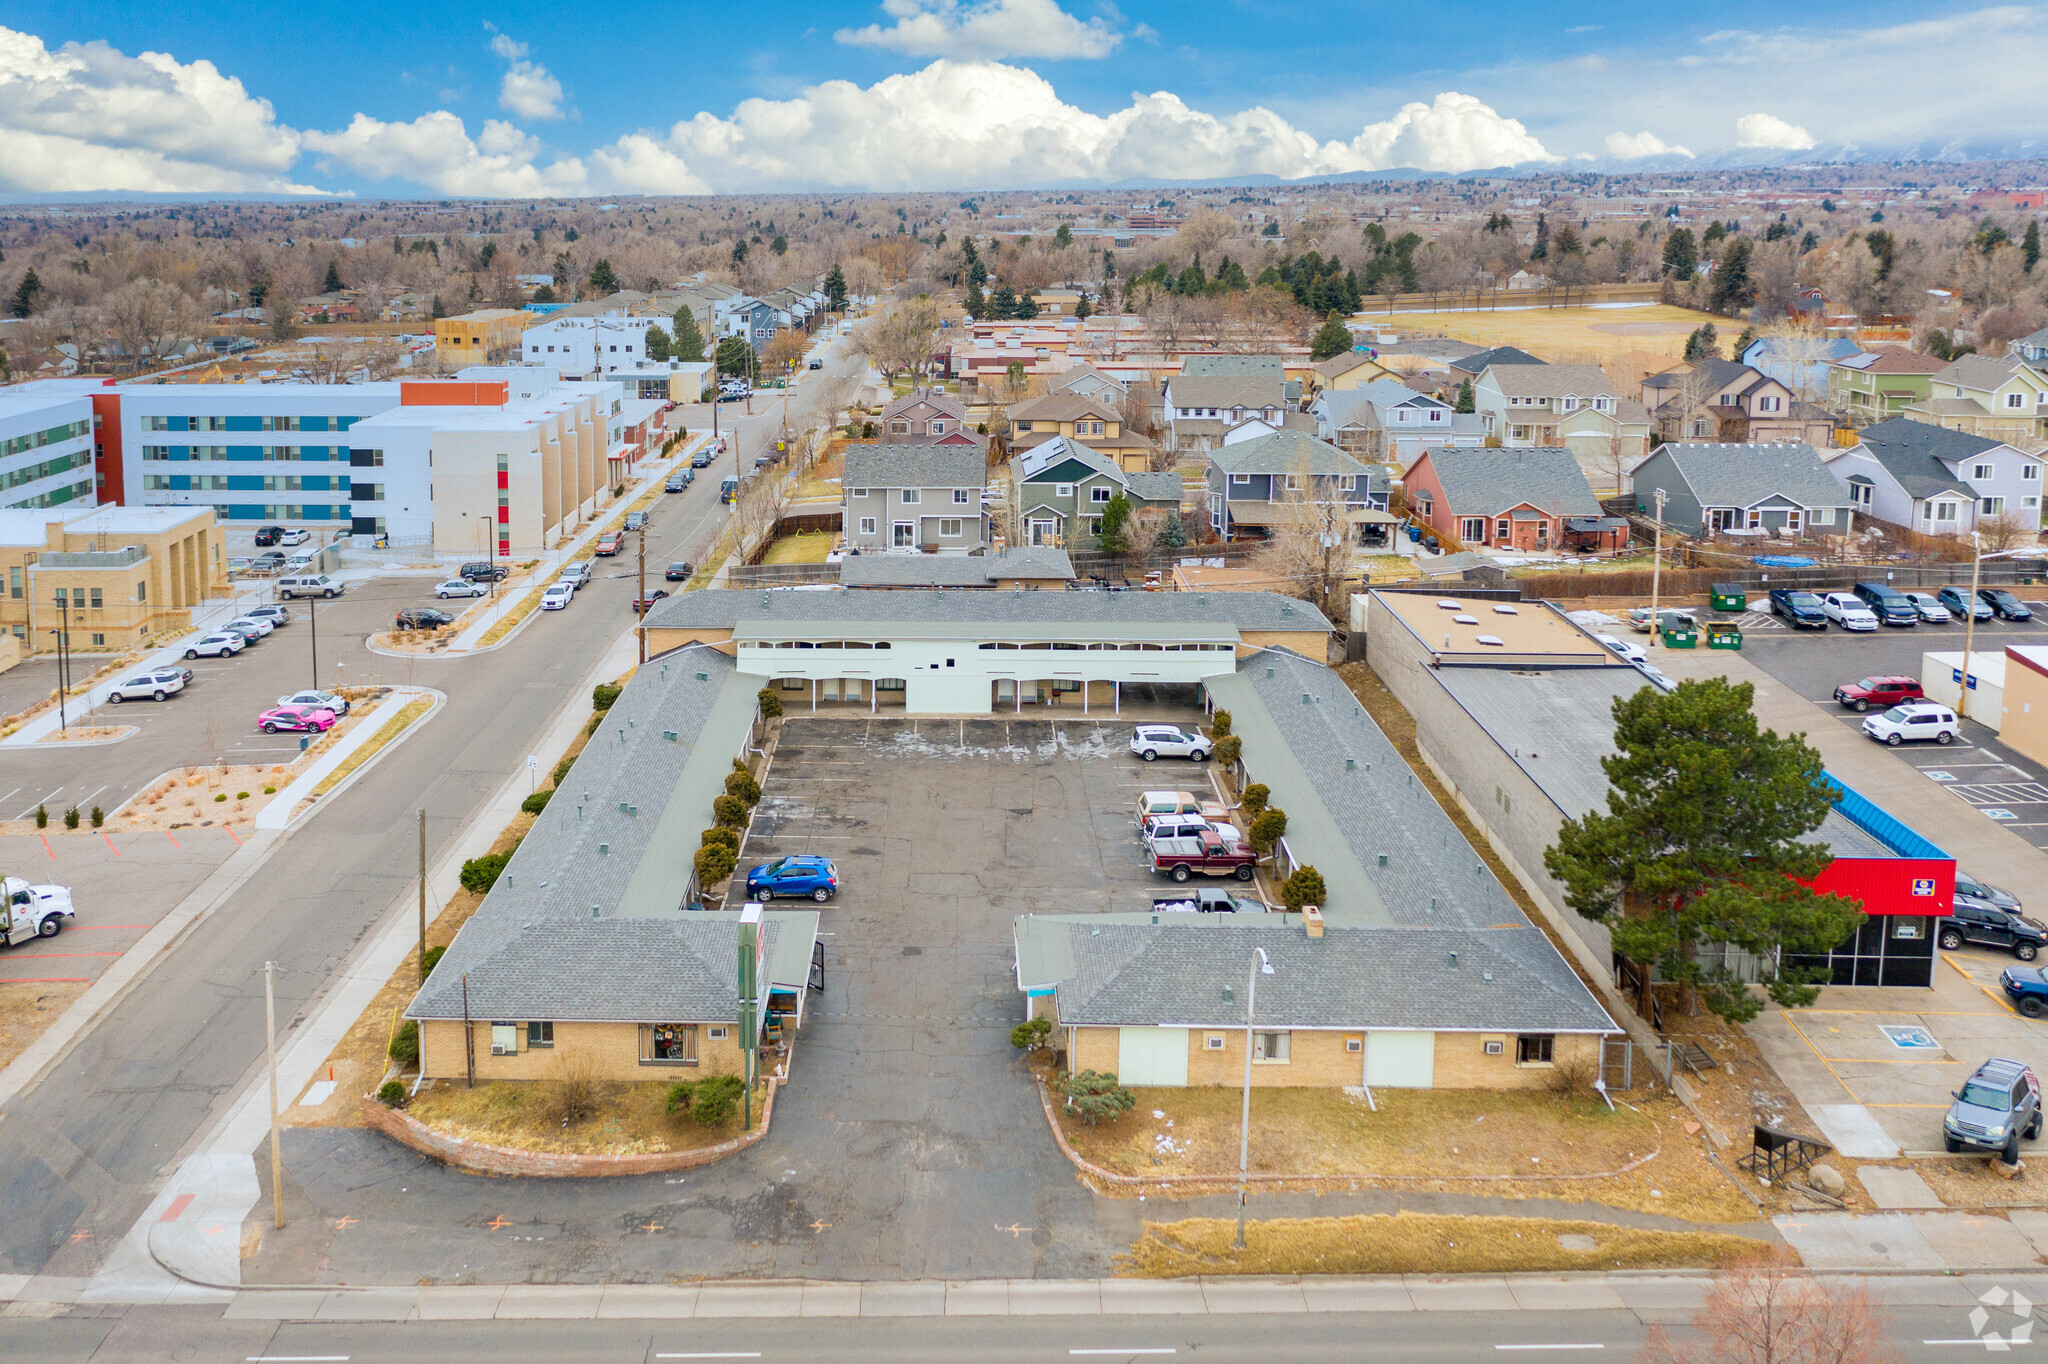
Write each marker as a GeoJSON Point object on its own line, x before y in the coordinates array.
{"type": "Point", "coordinates": [422, 618]}
{"type": "Point", "coordinates": [1997, 1105]}
{"type": "Point", "coordinates": [1990, 926]}
{"type": "Point", "coordinates": [1800, 607]}
{"type": "Point", "coordinates": [268, 535]}
{"type": "Point", "coordinates": [485, 572]}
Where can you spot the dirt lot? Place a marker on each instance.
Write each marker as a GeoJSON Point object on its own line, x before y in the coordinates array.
{"type": "Point", "coordinates": [1570, 335]}
{"type": "Point", "coordinates": [28, 1007]}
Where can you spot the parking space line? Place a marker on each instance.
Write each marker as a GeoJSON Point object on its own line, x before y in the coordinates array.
{"type": "Point", "coordinates": [1794, 1024]}
{"type": "Point", "coordinates": [1999, 1001]}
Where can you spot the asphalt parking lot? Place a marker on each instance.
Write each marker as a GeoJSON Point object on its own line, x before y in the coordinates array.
{"type": "Point", "coordinates": [121, 884]}
{"type": "Point", "coordinates": [1977, 770]}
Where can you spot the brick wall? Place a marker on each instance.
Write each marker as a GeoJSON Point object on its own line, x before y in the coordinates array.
{"type": "Point", "coordinates": [1462, 1062]}
{"type": "Point", "coordinates": [1322, 1060]}
{"type": "Point", "coordinates": [613, 1050]}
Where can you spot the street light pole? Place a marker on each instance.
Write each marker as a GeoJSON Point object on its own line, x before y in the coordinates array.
{"type": "Point", "coordinates": [1970, 623]}
{"type": "Point", "coordinates": [1260, 966]}
{"type": "Point", "coordinates": [63, 660]}
{"type": "Point", "coordinates": [1657, 565]}
{"type": "Point", "coordinates": [640, 600]}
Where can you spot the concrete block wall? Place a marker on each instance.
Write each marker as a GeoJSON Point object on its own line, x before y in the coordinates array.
{"type": "Point", "coordinates": [1323, 1060]}
{"type": "Point", "coordinates": [612, 1049]}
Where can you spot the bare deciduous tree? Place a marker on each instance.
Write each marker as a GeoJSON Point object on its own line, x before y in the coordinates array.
{"type": "Point", "coordinates": [902, 342]}
{"type": "Point", "coordinates": [1762, 1313]}
{"type": "Point", "coordinates": [148, 317]}
{"type": "Point", "coordinates": [1308, 546]}
{"type": "Point", "coordinates": [2003, 531]}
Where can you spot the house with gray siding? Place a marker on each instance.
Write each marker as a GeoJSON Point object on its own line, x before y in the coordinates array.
{"type": "Point", "coordinates": [1779, 489]}
{"type": "Point", "coordinates": [1063, 486]}
{"type": "Point", "coordinates": [914, 498]}
{"type": "Point", "coordinates": [1249, 485]}
{"type": "Point", "coordinates": [1937, 481]}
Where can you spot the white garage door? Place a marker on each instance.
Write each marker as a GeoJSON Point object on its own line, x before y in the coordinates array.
{"type": "Point", "coordinates": [1400, 1060]}
{"type": "Point", "coordinates": [1152, 1056]}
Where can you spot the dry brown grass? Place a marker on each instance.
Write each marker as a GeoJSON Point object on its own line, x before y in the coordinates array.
{"type": "Point", "coordinates": [1566, 335]}
{"type": "Point", "coordinates": [1425, 1139]}
{"type": "Point", "coordinates": [809, 547]}
{"type": "Point", "coordinates": [28, 1007]}
{"type": "Point", "coordinates": [621, 1118]}
{"type": "Point", "coordinates": [1416, 1243]}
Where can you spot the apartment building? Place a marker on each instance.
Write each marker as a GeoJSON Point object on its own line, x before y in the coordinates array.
{"type": "Point", "coordinates": [489, 336]}
{"type": "Point", "coordinates": [587, 344]}
{"type": "Point", "coordinates": [46, 445]}
{"type": "Point", "coordinates": [115, 575]}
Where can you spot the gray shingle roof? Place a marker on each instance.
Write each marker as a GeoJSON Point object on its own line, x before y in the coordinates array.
{"type": "Point", "coordinates": [969, 611]}
{"type": "Point", "coordinates": [1478, 480]}
{"type": "Point", "coordinates": [1164, 486]}
{"type": "Point", "coordinates": [1476, 363]}
{"type": "Point", "coordinates": [1226, 391]}
{"type": "Point", "coordinates": [1731, 475]}
{"type": "Point", "coordinates": [1044, 563]}
{"type": "Point", "coordinates": [914, 466]}
{"type": "Point", "coordinates": [944, 403]}
{"type": "Point", "coordinates": [1285, 452]}
{"type": "Point", "coordinates": [1551, 381]}
{"type": "Point", "coordinates": [1913, 453]}
{"type": "Point", "coordinates": [1234, 366]}
{"type": "Point", "coordinates": [1982, 372]}
{"type": "Point", "coordinates": [1173, 973]}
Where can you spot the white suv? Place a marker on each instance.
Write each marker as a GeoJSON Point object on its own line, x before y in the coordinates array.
{"type": "Point", "coordinates": [1847, 610]}
{"type": "Point", "coordinates": [1153, 741]}
{"type": "Point", "coordinates": [160, 685]}
{"type": "Point", "coordinates": [1912, 721]}
{"type": "Point", "coordinates": [224, 644]}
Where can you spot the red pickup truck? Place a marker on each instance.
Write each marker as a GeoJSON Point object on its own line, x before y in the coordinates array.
{"type": "Point", "coordinates": [1205, 853]}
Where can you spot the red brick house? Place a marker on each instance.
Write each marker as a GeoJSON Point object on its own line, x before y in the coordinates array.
{"type": "Point", "coordinates": [1525, 498]}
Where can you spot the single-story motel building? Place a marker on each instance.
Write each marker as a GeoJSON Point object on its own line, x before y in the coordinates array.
{"type": "Point", "coordinates": [1419, 970]}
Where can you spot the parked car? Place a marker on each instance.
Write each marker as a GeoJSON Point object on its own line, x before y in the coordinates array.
{"type": "Point", "coordinates": [702, 459]}
{"type": "Point", "coordinates": [298, 719]}
{"type": "Point", "coordinates": [679, 572]}
{"type": "Point", "coordinates": [32, 911]}
{"type": "Point", "coordinates": [254, 627]}
{"type": "Point", "coordinates": [1881, 692]}
{"type": "Point", "coordinates": [1206, 900]}
{"type": "Point", "coordinates": [1990, 926]}
{"type": "Point", "coordinates": [421, 618]}
{"type": "Point", "coordinates": [815, 364]}
{"type": "Point", "coordinates": [1959, 601]}
{"type": "Point", "coordinates": [268, 535]}
{"type": "Point", "coordinates": [269, 561]}
{"type": "Point", "coordinates": [640, 604]}
{"type": "Point", "coordinates": [1668, 617]}
{"type": "Point", "coordinates": [325, 700]}
{"type": "Point", "coordinates": [159, 685]}
{"type": "Point", "coordinates": [636, 520]}
{"type": "Point", "coordinates": [1634, 653]}
{"type": "Point", "coordinates": [1983, 892]}
{"type": "Point", "coordinates": [1888, 604]}
{"type": "Point", "coordinates": [276, 615]}
{"type": "Point", "coordinates": [1151, 742]}
{"type": "Point", "coordinates": [609, 544]}
{"type": "Point", "coordinates": [1847, 610]}
{"type": "Point", "coordinates": [308, 585]}
{"type": "Point", "coordinates": [484, 571]}
{"type": "Point", "coordinates": [299, 563]}
{"type": "Point", "coordinates": [1914, 721]}
{"type": "Point", "coordinates": [238, 565]}
{"type": "Point", "coordinates": [794, 876]}
{"type": "Point", "coordinates": [2027, 988]}
{"type": "Point", "coordinates": [294, 535]}
{"type": "Point", "coordinates": [1930, 608]}
{"type": "Point", "coordinates": [219, 644]}
{"type": "Point", "coordinates": [2004, 604]}
{"type": "Point", "coordinates": [460, 587]}
{"type": "Point", "coordinates": [1997, 1105]}
{"type": "Point", "coordinates": [1153, 803]}
{"type": "Point", "coordinates": [576, 573]}
{"type": "Point", "coordinates": [676, 482]}
{"type": "Point", "coordinates": [557, 596]}
{"type": "Point", "coordinates": [1191, 826]}
{"type": "Point", "coordinates": [688, 476]}
{"type": "Point", "coordinates": [1803, 609]}
{"type": "Point", "coordinates": [1206, 854]}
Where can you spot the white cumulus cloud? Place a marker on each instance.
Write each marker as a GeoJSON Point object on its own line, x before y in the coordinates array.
{"type": "Point", "coordinates": [956, 124]}
{"type": "Point", "coordinates": [529, 89]}
{"type": "Point", "coordinates": [1768, 130]}
{"type": "Point", "coordinates": [1630, 146]}
{"type": "Point", "coordinates": [87, 118]}
{"type": "Point", "coordinates": [992, 28]}
{"type": "Point", "coordinates": [435, 150]}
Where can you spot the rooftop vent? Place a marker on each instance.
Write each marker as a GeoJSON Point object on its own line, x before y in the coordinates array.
{"type": "Point", "coordinates": [1495, 640]}
{"type": "Point", "coordinates": [594, 912]}
{"type": "Point", "coordinates": [1503, 609]}
{"type": "Point", "coordinates": [669, 735]}
{"type": "Point", "coordinates": [1454, 961]}
{"type": "Point", "coordinates": [703, 677]}
{"type": "Point", "coordinates": [604, 850]}
{"type": "Point", "coordinates": [1448, 605]}
{"type": "Point", "coordinates": [1466, 620]}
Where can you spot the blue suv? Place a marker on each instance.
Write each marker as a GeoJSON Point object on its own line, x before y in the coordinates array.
{"type": "Point", "coordinates": [793, 876]}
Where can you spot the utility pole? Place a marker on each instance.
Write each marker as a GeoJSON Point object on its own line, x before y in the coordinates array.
{"type": "Point", "coordinates": [270, 1041]}
{"type": "Point", "coordinates": [1259, 965]}
{"type": "Point", "coordinates": [63, 660]}
{"type": "Point", "coordinates": [423, 896]}
{"type": "Point", "coordinates": [1657, 565]}
{"type": "Point", "coordinates": [641, 599]}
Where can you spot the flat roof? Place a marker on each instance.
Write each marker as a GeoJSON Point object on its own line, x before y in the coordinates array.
{"type": "Point", "coordinates": [1452, 628]}
{"type": "Point", "coordinates": [941, 614]}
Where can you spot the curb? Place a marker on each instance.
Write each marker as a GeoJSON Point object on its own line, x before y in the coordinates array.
{"type": "Point", "coordinates": [341, 754]}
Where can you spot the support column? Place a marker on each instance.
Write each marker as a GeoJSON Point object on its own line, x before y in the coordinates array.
{"type": "Point", "coordinates": [1087, 684]}
{"type": "Point", "coordinates": [1117, 694]}
{"type": "Point", "coordinates": [814, 696]}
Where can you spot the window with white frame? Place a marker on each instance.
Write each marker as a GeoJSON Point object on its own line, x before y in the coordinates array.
{"type": "Point", "coordinates": [1822, 516]}
{"type": "Point", "coordinates": [2031, 502]}
{"type": "Point", "coordinates": [1099, 494]}
{"type": "Point", "coordinates": [1063, 490]}
{"type": "Point", "coordinates": [2030, 473]}
{"type": "Point", "coordinates": [960, 497]}
{"type": "Point", "coordinates": [867, 525]}
{"type": "Point", "coordinates": [1293, 482]}
{"type": "Point", "coordinates": [1271, 1047]}
{"type": "Point", "coordinates": [1769, 402]}
{"type": "Point", "coordinates": [1534, 1049]}
{"type": "Point", "coordinates": [1991, 506]}
{"type": "Point", "coordinates": [2015, 400]}
{"type": "Point", "coordinates": [1347, 483]}
{"type": "Point", "coordinates": [1472, 529]}
{"type": "Point", "coordinates": [1945, 511]}
{"type": "Point", "coordinates": [1436, 414]}
{"type": "Point", "coordinates": [1983, 471]}
{"type": "Point", "coordinates": [912, 496]}
{"type": "Point", "coordinates": [1500, 529]}
{"type": "Point", "coordinates": [1860, 493]}
{"type": "Point", "coordinates": [949, 527]}
{"type": "Point", "coordinates": [1240, 480]}
{"type": "Point", "coordinates": [1095, 525]}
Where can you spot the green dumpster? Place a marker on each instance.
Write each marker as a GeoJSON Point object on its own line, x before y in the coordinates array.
{"type": "Point", "coordinates": [1681, 635]}
{"type": "Point", "coordinates": [1724, 634]}
{"type": "Point", "coordinates": [1730, 597]}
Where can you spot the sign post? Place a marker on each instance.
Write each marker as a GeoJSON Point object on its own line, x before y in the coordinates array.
{"type": "Point", "coordinates": [750, 944]}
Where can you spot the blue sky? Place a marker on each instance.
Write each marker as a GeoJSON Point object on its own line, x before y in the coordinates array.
{"type": "Point", "coordinates": [449, 98]}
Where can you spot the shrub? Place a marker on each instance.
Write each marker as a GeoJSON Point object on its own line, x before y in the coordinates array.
{"type": "Point", "coordinates": [1228, 749]}
{"type": "Point", "coordinates": [715, 862]}
{"type": "Point", "coordinates": [1305, 887]}
{"type": "Point", "coordinates": [42, 817]}
{"type": "Point", "coordinates": [1254, 799]}
{"type": "Point", "coordinates": [729, 810]}
{"type": "Point", "coordinates": [562, 770]}
{"type": "Point", "coordinates": [479, 874]}
{"type": "Point", "coordinates": [743, 786]}
{"type": "Point", "coordinates": [241, 795]}
{"type": "Point", "coordinates": [391, 1094]}
{"type": "Point", "coordinates": [1573, 1073]}
{"type": "Point", "coordinates": [222, 796]}
{"type": "Point", "coordinates": [1268, 828]}
{"type": "Point", "coordinates": [71, 818]}
{"type": "Point", "coordinates": [716, 1098]}
{"type": "Point", "coordinates": [572, 1094]}
{"type": "Point", "coordinates": [719, 834]}
{"type": "Point", "coordinates": [603, 695]}
{"type": "Point", "coordinates": [867, 430]}
{"type": "Point", "coordinates": [852, 430]}
{"type": "Point", "coordinates": [536, 802]}
{"type": "Point", "coordinates": [1094, 1095]}
{"type": "Point", "coordinates": [405, 1044]}
{"type": "Point", "coordinates": [1030, 1036]}
{"type": "Point", "coordinates": [270, 790]}
{"type": "Point", "coordinates": [433, 958]}
{"type": "Point", "coordinates": [771, 704]}
{"type": "Point", "coordinates": [1219, 724]}
{"type": "Point", "coordinates": [99, 816]}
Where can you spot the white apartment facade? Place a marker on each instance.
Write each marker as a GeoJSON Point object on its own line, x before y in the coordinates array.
{"type": "Point", "coordinates": [581, 345]}
{"type": "Point", "coordinates": [46, 446]}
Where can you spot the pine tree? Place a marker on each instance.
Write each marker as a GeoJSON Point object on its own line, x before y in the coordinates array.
{"type": "Point", "coordinates": [977, 306]}
{"type": "Point", "coordinates": [332, 284]}
{"type": "Point", "coordinates": [26, 293]}
{"type": "Point", "coordinates": [1332, 339]}
{"type": "Point", "coordinates": [1026, 309]}
{"type": "Point", "coordinates": [439, 310]}
{"type": "Point", "coordinates": [688, 341]}
{"type": "Point", "coordinates": [1681, 253]}
{"type": "Point", "coordinates": [603, 280]}
{"type": "Point", "coordinates": [2030, 245]}
{"type": "Point", "coordinates": [1002, 304]}
{"type": "Point", "coordinates": [1082, 309]}
{"type": "Point", "coordinates": [835, 289]}
{"type": "Point", "coordinates": [1172, 535]}
{"type": "Point", "coordinates": [657, 342]}
{"type": "Point", "coordinates": [1733, 288]}
{"type": "Point", "coordinates": [1465, 399]}
{"type": "Point", "coordinates": [1703, 344]}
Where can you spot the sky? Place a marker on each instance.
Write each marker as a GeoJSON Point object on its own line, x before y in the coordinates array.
{"type": "Point", "coordinates": [463, 99]}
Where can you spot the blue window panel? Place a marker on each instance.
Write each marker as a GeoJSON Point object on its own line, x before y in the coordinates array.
{"type": "Point", "coordinates": [181, 482]}
{"type": "Point", "coordinates": [313, 452]}
{"type": "Point", "coordinates": [312, 423]}
{"type": "Point", "coordinates": [177, 424]}
{"type": "Point", "coordinates": [342, 483]}
{"type": "Point", "coordinates": [344, 423]}
{"type": "Point", "coordinates": [313, 511]}
{"type": "Point", "coordinates": [314, 483]}
{"type": "Point", "coordinates": [181, 452]}
{"type": "Point", "coordinates": [245, 483]}
{"type": "Point", "coordinates": [247, 423]}
{"type": "Point", "coordinates": [245, 452]}
{"type": "Point", "coordinates": [245, 511]}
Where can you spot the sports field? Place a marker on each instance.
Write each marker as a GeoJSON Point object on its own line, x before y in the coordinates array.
{"type": "Point", "coordinates": [1565, 335]}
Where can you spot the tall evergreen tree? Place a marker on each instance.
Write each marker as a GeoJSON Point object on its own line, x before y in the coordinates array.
{"type": "Point", "coordinates": [1333, 338]}
{"type": "Point", "coordinates": [1002, 303]}
{"type": "Point", "coordinates": [1733, 288]}
{"type": "Point", "coordinates": [1465, 399]}
{"type": "Point", "coordinates": [2030, 245]}
{"type": "Point", "coordinates": [658, 345]}
{"type": "Point", "coordinates": [1082, 308]}
{"type": "Point", "coordinates": [1681, 253]}
{"type": "Point", "coordinates": [604, 281]}
{"type": "Point", "coordinates": [835, 289]}
{"type": "Point", "coordinates": [332, 284]}
{"type": "Point", "coordinates": [688, 340]}
{"type": "Point", "coordinates": [976, 304]}
{"type": "Point", "coordinates": [26, 294]}
{"type": "Point", "coordinates": [1703, 344]}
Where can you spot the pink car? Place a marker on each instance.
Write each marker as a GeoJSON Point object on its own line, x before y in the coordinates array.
{"type": "Point", "coordinates": [317, 719]}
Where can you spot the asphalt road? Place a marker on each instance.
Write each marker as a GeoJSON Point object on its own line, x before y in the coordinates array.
{"type": "Point", "coordinates": [1916, 1333]}
{"type": "Point", "coordinates": [82, 1151]}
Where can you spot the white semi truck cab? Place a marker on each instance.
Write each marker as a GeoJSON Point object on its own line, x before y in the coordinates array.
{"type": "Point", "coordinates": [32, 911]}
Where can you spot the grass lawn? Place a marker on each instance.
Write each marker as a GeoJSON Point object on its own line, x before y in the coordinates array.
{"type": "Point", "coordinates": [808, 548]}
{"type": "Point", "coordinates": [631, 1118]}
{"type": "Point", "coordinates": [1558, 334]}
{"type": "Point", "coordinates": [1418, 1243]}
{"type": "Point", "coordinates": [1426, 1134]}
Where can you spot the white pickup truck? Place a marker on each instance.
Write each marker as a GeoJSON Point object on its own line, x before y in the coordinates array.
{"type": "Point", "coordinates": [32, 911]}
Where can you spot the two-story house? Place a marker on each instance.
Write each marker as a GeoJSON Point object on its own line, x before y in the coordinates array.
{"type": "Point", "coordinates": [1351, 369]}
{"type": "Point", "coordinates": [2033, 348]}
{"type": "Point", "coordinates": [1570, 406]}
{"type": "Point", "coordinates": [1792, 365]}
{"type": "Point", "coordinates": [1727, 401]}
{"type": "Point", "coordinates": [1063, 486]}
{"type": "Point", "coordinates": [1532, 498]}
{"type": "Point", "coordinates": [914, 498]}
{"type": "Point", "coordinates": [1768, 490]}
{"type": "Point", "coordinates": [1091, 422]}
{"type": "Point", "coordinates": [919, 415]}
{"type": "Point", "coordinates": [2000, 397]}
{"type": "Point", "coordinates": [1389, 423]}
{"type": "Point", "coordinates": [1883, 382]}
{"type": "Point", "coordinates": [1250, 485]}
{"type": "Point", "coordinates": [1086, 381]}
{"type": "Point", "coordinates": [1937, 481]}
{"type": "Point", "coordinates": [1200, 410]}
{"type": "Point", "coordinates": [1471, 366]}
